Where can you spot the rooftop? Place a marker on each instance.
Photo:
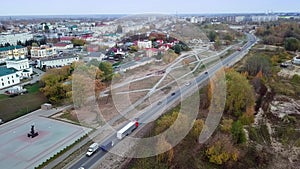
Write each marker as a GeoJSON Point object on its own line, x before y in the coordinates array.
{"type": "Point", "coordinates": [11, 48]}
{"type": "Point", "coordinates": [6, 71]}
{"type": "Point", "coordinates": [58, 57]}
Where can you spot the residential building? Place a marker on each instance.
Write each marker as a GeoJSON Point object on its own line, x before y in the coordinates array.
{"type": "Point", "coordinates": [43, 51]}
{"type": "Point", "coordinates": [57, 61]}
{"type": "Point", "coordinates": [144, 44]}
{"type": "Point", "coordinates": [66, 39]}
{"type": "Point", "coordinates": [63, 46]}
{"type": "Point", "coordinates": [264, 18]}
{"type": "Point", "coordinates": [12, 39]}
{"type": "Point", "coordinates": [151, 52]}
{"type": "Point", "coordinates": [239, 19]}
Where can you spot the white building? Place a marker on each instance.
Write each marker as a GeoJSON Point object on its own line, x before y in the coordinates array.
{"type": "Point", "coordinates": [264, 18]}
{"type": "Point", "coordinates": [63, 46]}
{"type": "Point", "coordinates": [8, 77]}
{"type": "Point", "coordinates": [144, 44]}
{"type": "Point", "coordinates": [14, 38]}
{"type": "Point", "coordinates": [20, 63]}
{"type": "Point", "coordinates": [239, 18]}
{"type": "Point", "coordinates": [43, 51]}
{"type": "Point", "coordinates": [296, 60]}
{"type": "Point", "coordinates": [55, 62]}
{"type": "Point", "coordinates": [194, 20]}
{"type": "Point", "coordinates": [17, 68]}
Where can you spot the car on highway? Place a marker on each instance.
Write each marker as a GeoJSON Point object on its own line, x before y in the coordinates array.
{"type": "Point", "coordinates": [159, 103]}
{"type": "Point", "coordinates": [173, 94]}
{"type": "Point", "coordinates": [206, 72]}
{"type": "Point", "coordinates": [187, 83]}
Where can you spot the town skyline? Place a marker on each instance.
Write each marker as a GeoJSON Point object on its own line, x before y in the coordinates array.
{"type": "Point", "coordinates": [90, 7]}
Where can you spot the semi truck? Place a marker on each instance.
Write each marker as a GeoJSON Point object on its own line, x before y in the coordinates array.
{"type": "Point", "coordinates": [92, 149]}
{"type": "Point", "coordinates": [107, 145]}
{"type": "Point", "coordinates": [126, 130]}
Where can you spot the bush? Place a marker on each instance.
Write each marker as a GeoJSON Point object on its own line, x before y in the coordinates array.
{"type": "Point", "coordinates": [238, 133]}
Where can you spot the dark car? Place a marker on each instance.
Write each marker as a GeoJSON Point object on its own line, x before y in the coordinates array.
{"type": "Point", "coordinates": [173, 94]}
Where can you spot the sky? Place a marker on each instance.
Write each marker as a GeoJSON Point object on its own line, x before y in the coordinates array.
{"type": "Point", "coordinates": [70, 7]}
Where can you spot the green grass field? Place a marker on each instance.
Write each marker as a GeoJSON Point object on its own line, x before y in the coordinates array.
{"type": "Point", "coordinates": [13, 107]}
{"type": "Point", "coordinates": [35, 88]}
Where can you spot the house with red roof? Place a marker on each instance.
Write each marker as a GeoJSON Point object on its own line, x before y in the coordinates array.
{"type": "Point", "coordinates": [63, 46]}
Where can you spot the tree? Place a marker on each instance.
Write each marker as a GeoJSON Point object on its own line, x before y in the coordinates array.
{"type": "Point", "coordinates": [53, 84]}
{"type": "Point", "coordinates": [7, 44]}
{"type": "Point", "coordinates": [119, 29]}
{"type": "Point", "coordinates": [46, 28]}
{"type": "Point", "coordinates": [78, 42]}
{"type": "Point", "coordinates": [168, 156]}
{"type": "Point", "coordinates": [226, 125]}
{"type": "Point", "coordinates": [238, 133]}
{"type": "Point", "coordinates": [221, 151]}
{"type": "Point", "coordinates": [292, 44]}
{"type": "Point", "coordinates": [19, 43]}
{"type": "Point", "coordinates": [212, 36]}
{"type": "Point", "coordinates": [177, 49]}
{"type": "Point", "coordinates": [133, 48]}
{"type": "Point", "coordinates": [229, 37]}
{"type": "Point", "coordinates": [255, 64]}
{"type": "Point", "coordinates": [240, 94]}
{"type": "Point", "coordinates": [217, 43]}
{"type": "Point", "coordinates": [107, 70]}
{"type": "Point", "coordinates": [94, 62]}
{"type": "Point", "coordinates": [197, 128]}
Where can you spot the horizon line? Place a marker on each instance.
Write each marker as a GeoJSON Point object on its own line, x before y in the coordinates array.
{"type": "Point", "coordinates": [176, 13]}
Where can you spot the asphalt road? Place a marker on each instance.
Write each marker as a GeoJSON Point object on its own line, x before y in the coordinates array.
{"type": "Point", "coordinates": [156, 109]}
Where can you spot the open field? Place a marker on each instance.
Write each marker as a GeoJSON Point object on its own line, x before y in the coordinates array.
{"type": "Point", "coordinates": [13, 107]}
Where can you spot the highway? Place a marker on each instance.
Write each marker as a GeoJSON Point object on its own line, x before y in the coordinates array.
{"type": "Point", "coordinates": [156, 109]}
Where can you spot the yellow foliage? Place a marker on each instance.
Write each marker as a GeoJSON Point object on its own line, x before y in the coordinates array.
{"type": "Point", "coordinates": [226, 125]}
{"type": "Point", "coordinates": [221, 152]}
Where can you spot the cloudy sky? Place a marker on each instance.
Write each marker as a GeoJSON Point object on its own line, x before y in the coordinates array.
{"type": "Point", "coordinates": [58, 7]}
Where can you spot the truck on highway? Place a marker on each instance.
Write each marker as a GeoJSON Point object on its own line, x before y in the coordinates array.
{"type": "Point", "coordinates": [126, 130]}
{"type": "Point", "coordinates": [92, 149]}
{"type": "Point", "coordinates": [107, 145]}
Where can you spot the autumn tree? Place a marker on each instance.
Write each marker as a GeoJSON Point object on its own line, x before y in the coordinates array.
{"type": "Point", "coordinates": [72, 83]}
{"type": "Point", "coordinates": [226, 125]}
{"type": "Point", "coordinates": [197, 128]}
{"type": "Point", "coordinates": [54, 84]}
{"type": "Point", "coordinates": [169, 56]}
{"type": "Point", "coordinates": [78, 42]}
{"type": "Point", "coordinates": [166, 157]}
{"type": "Point", "coordinates": [240, 94]}
{"type": "Point", "coordinates": [257, 63]}
{"type": "Point", "coordinates": [107, 69]}
{"type": "Point", "coordinates": [221, 151]}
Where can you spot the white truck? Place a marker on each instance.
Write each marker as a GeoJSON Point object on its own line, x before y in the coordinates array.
{"type": "Point", "coordinates": [92, 149]}
{"type": "Point", "coordinates": [126, 130]}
